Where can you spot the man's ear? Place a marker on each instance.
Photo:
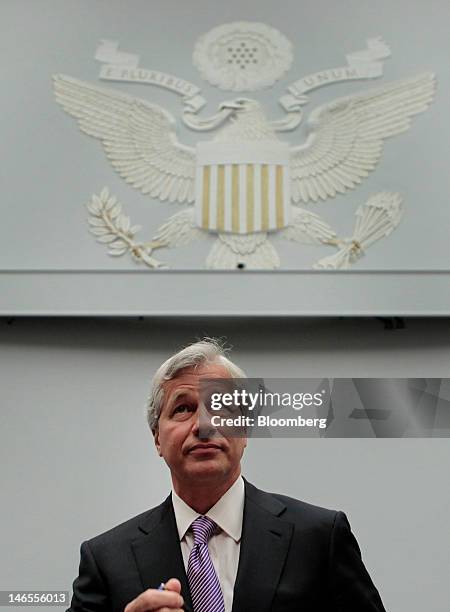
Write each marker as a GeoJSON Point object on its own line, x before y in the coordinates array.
{"type": "Point", "coordinates": [156, 441]}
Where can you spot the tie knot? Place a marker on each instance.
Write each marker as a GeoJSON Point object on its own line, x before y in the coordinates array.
{"type": "Point", "coordinates": [203, 528]}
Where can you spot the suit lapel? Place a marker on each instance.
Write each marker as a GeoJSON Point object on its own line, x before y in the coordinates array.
{"type": "Point", "coordinates": [158, 552]}
{"type": "Point", "coordinates": [264, 545]}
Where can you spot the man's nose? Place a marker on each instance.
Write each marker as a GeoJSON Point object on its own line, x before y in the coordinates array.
{"type": "Point", "coordinates": [202, 427]}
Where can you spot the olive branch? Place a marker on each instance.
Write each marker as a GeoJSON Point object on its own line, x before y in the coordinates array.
{"type": "Point", "coordinates": [111, 227]}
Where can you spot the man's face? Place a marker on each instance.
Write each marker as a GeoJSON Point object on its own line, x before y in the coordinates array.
{"type": "Point", "coordinates": [215, 459]}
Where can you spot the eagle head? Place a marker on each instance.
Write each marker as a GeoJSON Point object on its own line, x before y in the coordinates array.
{"type": "Point", "coordinates": [248, 122]}
{"type": "Point", "coordinates": [241, 105]}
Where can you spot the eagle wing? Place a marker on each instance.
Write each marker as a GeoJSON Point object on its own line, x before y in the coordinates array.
{"type": "Point", "coordinates": [138, 137]}
{"type": "Point", "coordinates": [346, 138]}
{"type": "Point", "coordinates": [179, 229]}
{"type": "Point", "coordinates": [307, 228]}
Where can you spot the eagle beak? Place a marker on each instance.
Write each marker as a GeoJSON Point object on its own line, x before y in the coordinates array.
{"type": "Point", "coordinates": [230, 105]}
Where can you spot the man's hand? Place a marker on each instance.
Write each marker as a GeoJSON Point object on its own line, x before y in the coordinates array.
{"type": "Point", "coordinates": [168, 600]}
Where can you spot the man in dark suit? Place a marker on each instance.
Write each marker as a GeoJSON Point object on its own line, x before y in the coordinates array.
{"type": "Point", "coordinates": [217, 543]}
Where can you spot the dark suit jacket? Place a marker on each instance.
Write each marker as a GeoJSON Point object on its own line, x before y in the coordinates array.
{"type": "Point", "coordinates": [294, 557]}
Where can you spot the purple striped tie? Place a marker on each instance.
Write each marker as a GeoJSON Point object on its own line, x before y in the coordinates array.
{"type": "Point", "coordinates": [204, 585]}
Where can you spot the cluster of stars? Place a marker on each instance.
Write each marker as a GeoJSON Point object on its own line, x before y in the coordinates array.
{"type": "Point", "coordinates": [243, 55]}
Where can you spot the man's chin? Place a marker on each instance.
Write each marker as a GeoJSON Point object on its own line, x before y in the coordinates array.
{"type": "Point", "coordinates": [206, 468]}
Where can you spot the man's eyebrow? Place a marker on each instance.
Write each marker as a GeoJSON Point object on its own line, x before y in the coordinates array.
{"type": "Point", "coordinates": [179, 395]}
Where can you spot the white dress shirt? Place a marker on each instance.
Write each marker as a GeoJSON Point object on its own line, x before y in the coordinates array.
{"type": "Point", "coordinates": [224, 547]}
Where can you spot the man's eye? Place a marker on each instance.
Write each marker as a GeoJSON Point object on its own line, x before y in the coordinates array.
{"type": "Point", "coordinates": [182, 409]}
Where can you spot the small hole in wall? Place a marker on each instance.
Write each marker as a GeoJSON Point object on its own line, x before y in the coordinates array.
{"type": "Point", "coordinates": [240, 265]}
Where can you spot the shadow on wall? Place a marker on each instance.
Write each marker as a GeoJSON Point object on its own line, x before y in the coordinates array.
{"type": "Point", "coordinates": [255, 334]}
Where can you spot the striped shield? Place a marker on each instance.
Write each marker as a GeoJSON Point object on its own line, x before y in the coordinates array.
{"type": "Point", "coordinates": [242, 187]}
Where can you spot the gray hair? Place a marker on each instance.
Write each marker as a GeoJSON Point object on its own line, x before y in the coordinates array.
{"type": "Point", "coordinates": [208, 350]}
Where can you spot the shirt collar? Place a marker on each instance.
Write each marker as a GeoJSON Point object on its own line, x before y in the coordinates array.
{"type": "Point", "coordinates": [227, 512]}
